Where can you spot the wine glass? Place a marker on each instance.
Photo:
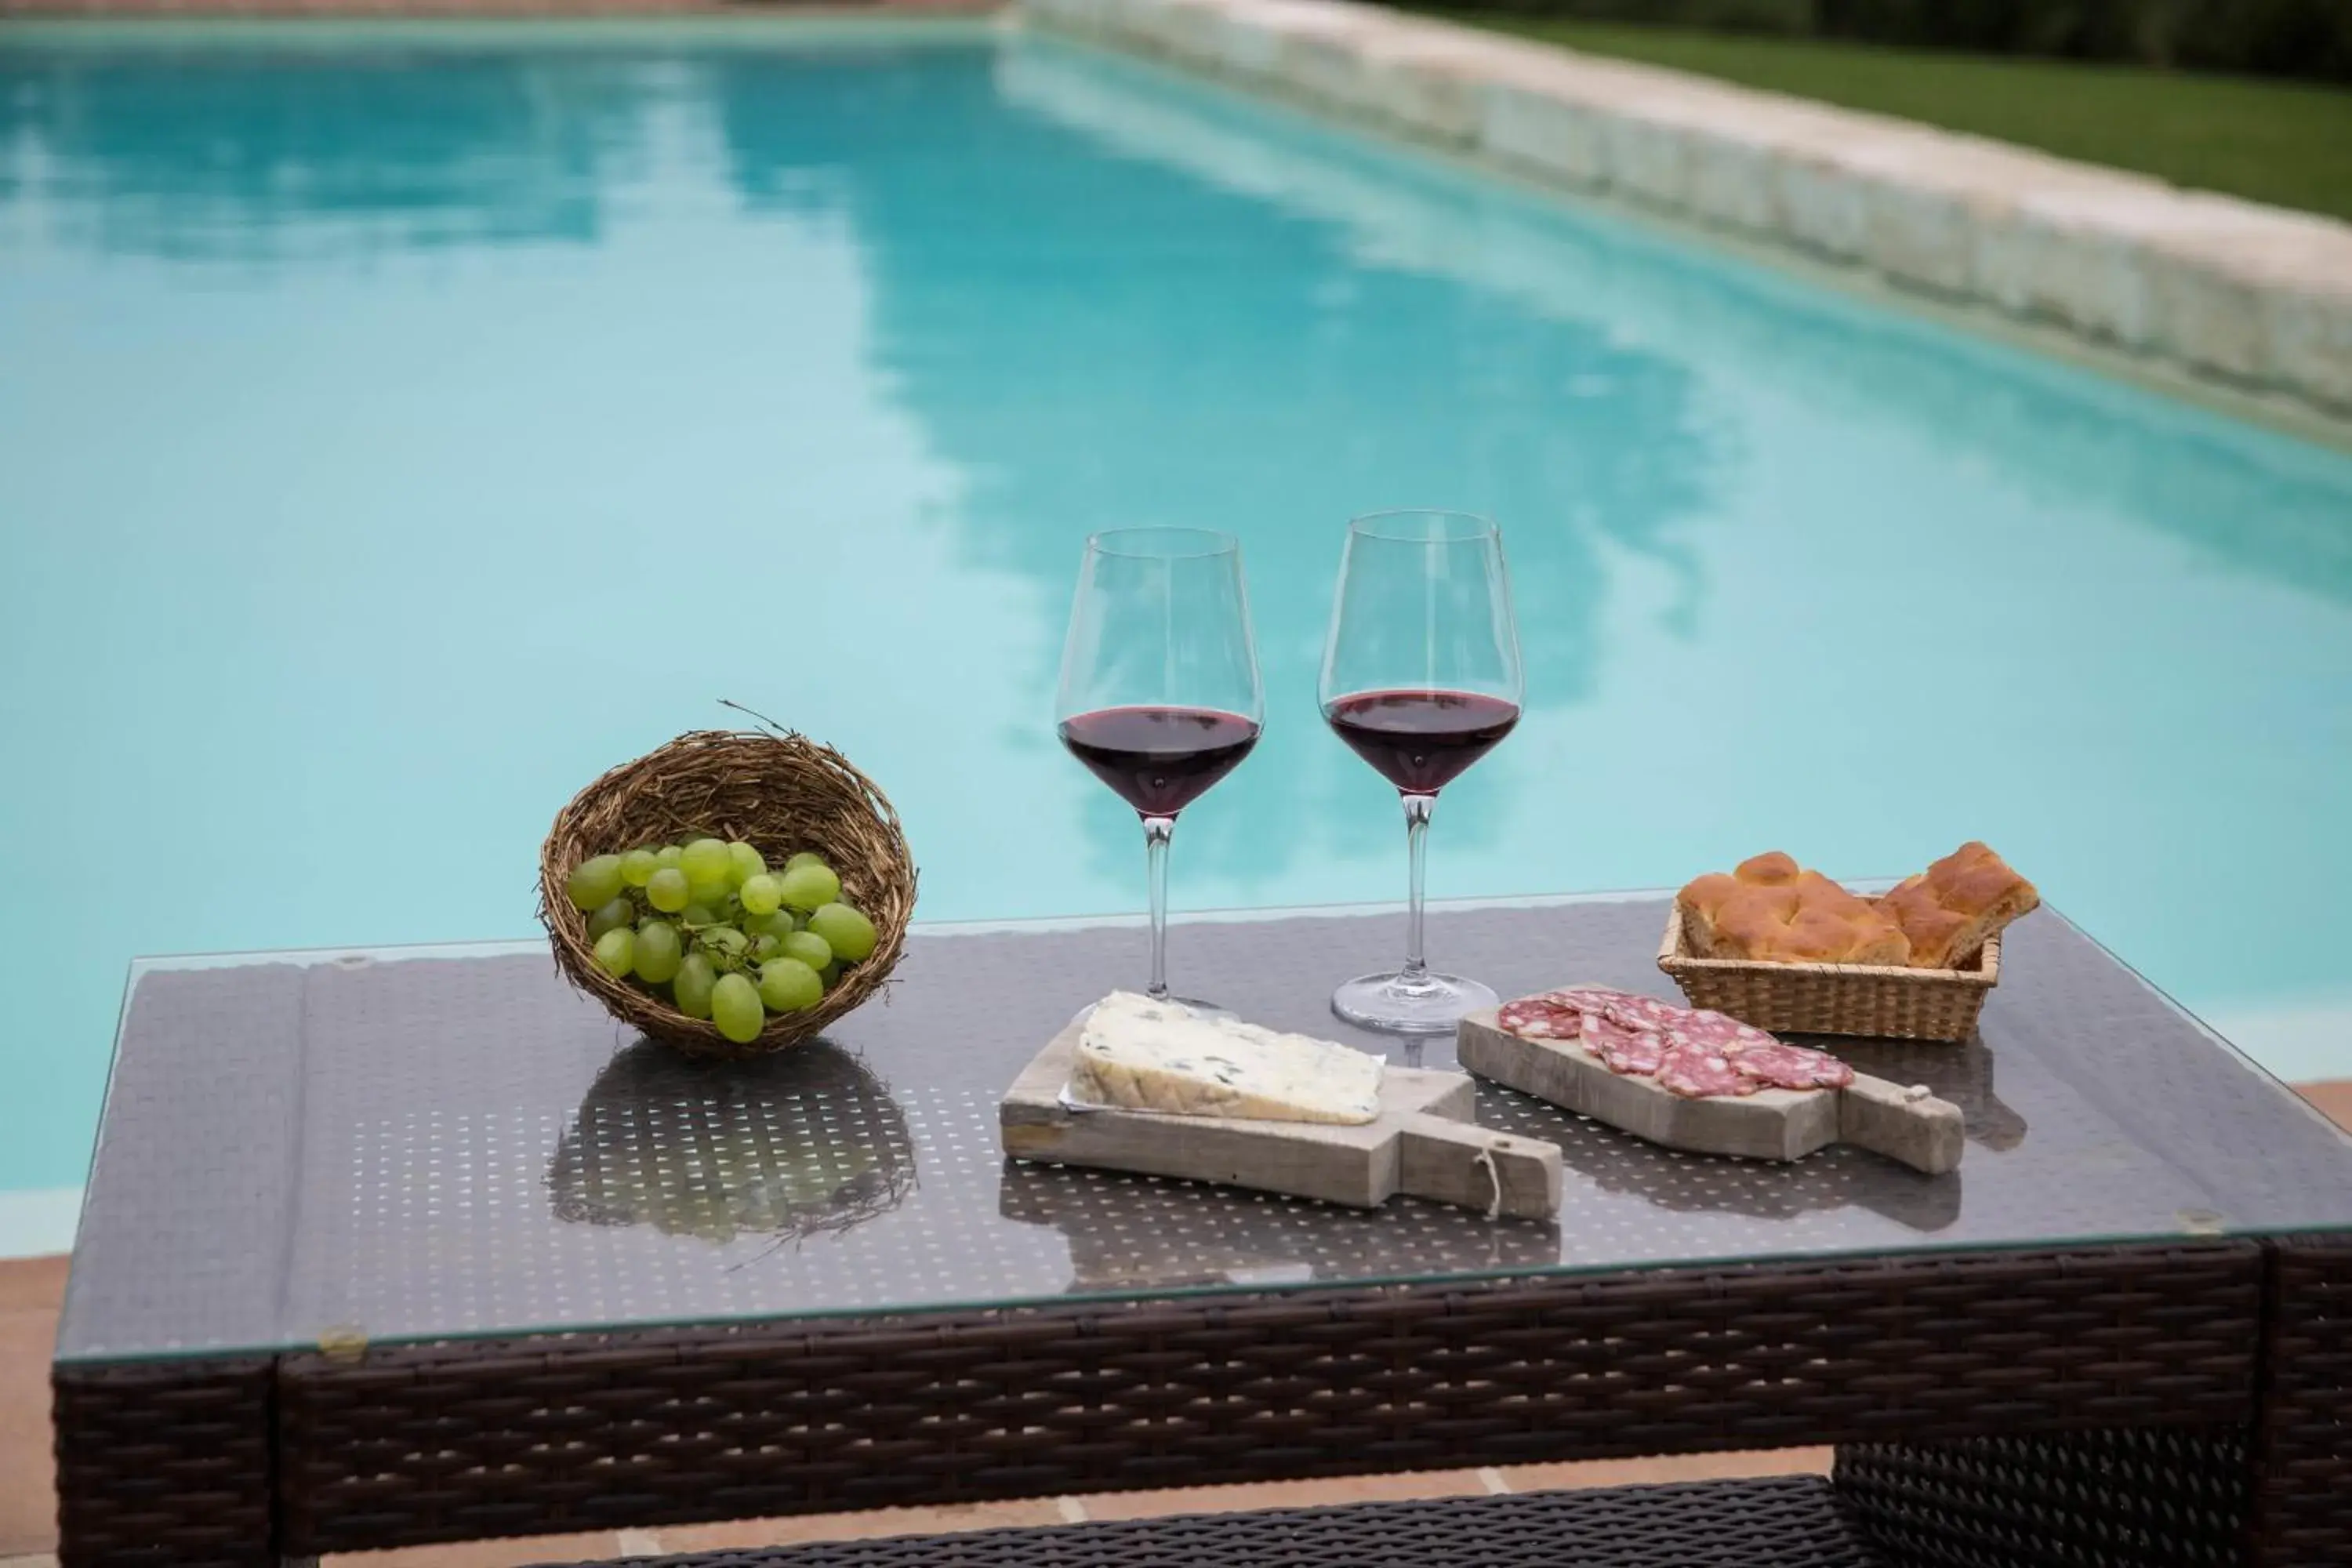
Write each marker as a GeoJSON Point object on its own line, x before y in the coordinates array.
{"type": "Point", "coordinates": [1421, 677]}
{"type": "Point", "coordinates": [1160, 694]}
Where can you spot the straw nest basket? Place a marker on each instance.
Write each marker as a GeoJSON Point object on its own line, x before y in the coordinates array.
{"type": "Point", "coordinates": [1836, 998]}
{"type": "Point", "coordinates": [781, 792]}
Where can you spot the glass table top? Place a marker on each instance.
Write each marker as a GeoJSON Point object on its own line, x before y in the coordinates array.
{"type": "Point", "coordinates": [434, 1143]}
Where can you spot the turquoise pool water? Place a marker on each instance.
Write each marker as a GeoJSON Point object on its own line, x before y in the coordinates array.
{"type": "Point", "coordinates": [398, 427]}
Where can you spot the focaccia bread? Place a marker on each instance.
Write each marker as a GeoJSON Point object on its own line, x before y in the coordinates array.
{"type": "Point", "coordinates": [1772, 909]}
{"type": "Point", "coordinates": [1953, 908]}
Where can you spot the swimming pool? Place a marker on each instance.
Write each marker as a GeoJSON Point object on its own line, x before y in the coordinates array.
{"type": "Point", "coordinates": [398, 425]}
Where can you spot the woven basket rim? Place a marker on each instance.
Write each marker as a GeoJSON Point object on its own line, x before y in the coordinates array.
{"type": "Point", "coordinates": [1674, 958]}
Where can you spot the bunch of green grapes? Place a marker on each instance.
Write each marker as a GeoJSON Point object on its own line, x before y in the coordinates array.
{"type": "Point", "coordinates": [707, 926]}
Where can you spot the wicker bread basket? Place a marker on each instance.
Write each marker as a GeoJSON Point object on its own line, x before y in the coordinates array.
{"type": "Point", "coordinates": [784, 794]}
{"type": "Point", "coordinates": [1836, 998]}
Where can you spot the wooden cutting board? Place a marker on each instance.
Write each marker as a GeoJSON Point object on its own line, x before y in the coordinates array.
{"type": "Point", "coordinates": [1423, 1143]}
{"type": "Point", "coordinates": [1906, 1124]}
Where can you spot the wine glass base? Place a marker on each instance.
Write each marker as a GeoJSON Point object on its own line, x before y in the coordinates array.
{"type": "Point", "coordinates": [1423, 1004]}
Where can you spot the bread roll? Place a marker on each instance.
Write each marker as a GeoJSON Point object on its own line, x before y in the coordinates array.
{"type": "Point", "coordinates": [1950, 909]}
{"type": "Point", "coordinates": [1772, 909]}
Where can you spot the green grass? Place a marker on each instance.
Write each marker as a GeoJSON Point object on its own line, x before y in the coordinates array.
{"type": "Point", "coordinates": [2285, 142]}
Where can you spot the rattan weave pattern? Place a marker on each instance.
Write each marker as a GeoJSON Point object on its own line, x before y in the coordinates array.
{"type": "Point", "coordinates": [2145, 1497]}
{"type": "Point", "coordinates": [2302, 1504]}
{"type": "Point", "coordinates": [165, 1461]}
{"type": "Point", "coordinates": [451, 1441]}
{"type": "Point", "coordinates": [370, 1150]}
{"type": "Point", "coordinates": [183, 1240]}
{"type": "Point", "coordinates": [1789, 1521]}
{"type": "Point", "coordinates": [378, 1145]}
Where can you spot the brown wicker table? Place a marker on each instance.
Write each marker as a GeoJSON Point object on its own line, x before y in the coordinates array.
{"type": "Point", "coordinates": [403, 1246]}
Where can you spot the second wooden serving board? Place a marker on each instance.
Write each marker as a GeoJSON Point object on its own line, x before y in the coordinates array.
{"type": "Point", "coordinates": [1906, 1124]}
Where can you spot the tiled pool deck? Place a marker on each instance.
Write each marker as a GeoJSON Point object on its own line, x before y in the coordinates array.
{"type": "Point", "coordinates": [2226, 291]}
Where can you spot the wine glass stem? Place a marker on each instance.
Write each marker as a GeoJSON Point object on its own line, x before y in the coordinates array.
{"type": "Point", "coordinates": [1417, 808]}
{"type": "Point", "coordinates": [1156, 833]}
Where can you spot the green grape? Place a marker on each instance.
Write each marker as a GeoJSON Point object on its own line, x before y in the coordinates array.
{"type": "Point", "coordinates": [705, 861]}
{"type": "Point", "coordinates": [787, 985]}
{"type": "Point", "coordinates": [594, 881]}
{"type": "Point", "coordinates": [735, 1008]}
{"type": "Point", "coordinates": [726, 939]}
{"type": "Point", "coordinates": [830, 975]}
{"type": "Point", "coordinates": [805, 857]}
{"type": "Point", "coordinates": [610, 916]}
{"type": "Point", "coordinates": [810, 887]}
{"type": "Point", "coordinates": [691, 990]}
{"type": "Point", "coordinates": [712, 894]}
{"type": "Point", "coordinates": [637, 867]}
{"type": "Point", "coordinates": [698, 914]}
{"type": "Point", "coordinates": [760, 894]}
{"type": "Point", "coordinates": [667, 891]}
{"type": "Point", "coordinates": [743, 863]}
{"type": "Point", "coordinates": [845, 930]}
{"type": "Point", "coordinates": [669, 855]}
{"type": "Point", "coordinates": [616, 950]}
{"type": "Point", "coordinates": [780, 924]}
{"type": "Point", "coordinates": [660, 952]}
{"type": "Point", "coordinates": [809, 948]}
{"type": "Point", "coordinates": [765, 947]}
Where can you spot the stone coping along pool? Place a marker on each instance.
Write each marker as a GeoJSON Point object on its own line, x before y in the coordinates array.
{"type": "Point", "coordinates": [2227, 290]}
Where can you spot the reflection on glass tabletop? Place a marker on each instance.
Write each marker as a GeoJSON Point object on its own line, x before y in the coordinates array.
{"type": "Point", "coordinates": [424, 1143]}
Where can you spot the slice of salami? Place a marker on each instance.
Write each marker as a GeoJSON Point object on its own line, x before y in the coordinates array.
{"type": "Point", "coordinates": [1698, 1074]}
{"type": "Point", "coordinates": [1592, 998]}
{"type": "Point", "coordinates": [1633, 1011]}
{"type": "Point", "coordinates": [1568, 999]}
{"type": "Point", "coordinates": [1540, 1019]}
{"type": "Point", "coordinates": [1793, 1066]}
{"type": "Point", "coordinates": [1635, 1053]}
{"type": "Point", "coordinates": [1719, 1032]}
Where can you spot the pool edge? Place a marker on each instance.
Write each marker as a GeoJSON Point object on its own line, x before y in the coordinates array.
{"type": "Point", "coordinates": [2241, 307]}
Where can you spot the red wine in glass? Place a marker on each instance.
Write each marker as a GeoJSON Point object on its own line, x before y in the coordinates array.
{"type": "Point", "coordinates": [1421, 740]}
{"type": "Point", "coordinates": [1160, 759]}
{"type": "Point", "coordinates": [1421, 677]}
{"type": "Point", "coordinates": [1160, 694]}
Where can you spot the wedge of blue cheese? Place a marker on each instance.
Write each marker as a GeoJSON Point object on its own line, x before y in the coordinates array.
{"type": "Point", "coordinates": [1140, 1054]}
